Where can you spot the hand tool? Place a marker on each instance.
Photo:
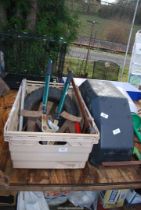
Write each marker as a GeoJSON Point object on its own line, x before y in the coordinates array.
{"type": "Point", "coordinates": [64, 93]}
{"type": "Point", "coordinates": [45, 127]}
{"type": "Point", "coordinates": [88, 122]}
{"type": "Point", "coordinates": [59, 109]}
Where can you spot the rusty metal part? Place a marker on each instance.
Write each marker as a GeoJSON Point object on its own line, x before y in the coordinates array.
{"type": "Point", "coordinates": [31, 114]}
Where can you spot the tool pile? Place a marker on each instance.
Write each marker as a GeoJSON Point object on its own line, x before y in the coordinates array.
{"type": "Point", "coordinates": [51, 123]}
{"type": "Point", "coordinates": [53, 109]}
{"type": "Point", "coordinates": [43, 112]}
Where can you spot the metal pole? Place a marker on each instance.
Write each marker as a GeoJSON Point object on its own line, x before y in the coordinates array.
{"type": "Point", "coordinates": [88, 52]}
{"type": "Point", "coordinates": [129, 38]}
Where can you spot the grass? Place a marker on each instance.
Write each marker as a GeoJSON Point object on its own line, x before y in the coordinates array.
{"type": "Point", "coordinates": [125, 75]}
{"type": "Point", "coordinates": [85, 27]}
{"type": "Point", "coordinates": [100, 28]}
{"type": "Point", "coordinates": [99, 31]}
{"type": "Point", "coordinates": [106, 70]}
{"type": "Point", "coordinates": [78, 68]}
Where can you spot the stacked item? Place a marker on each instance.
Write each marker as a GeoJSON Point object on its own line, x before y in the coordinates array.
{"type": "Point", "coordinates": [113, 198]}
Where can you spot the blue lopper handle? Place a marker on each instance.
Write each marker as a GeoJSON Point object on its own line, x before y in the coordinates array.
{"type": "Point", "coordinates": [46, 88]}
{"type": "Point", "coordinates": [64, 93]}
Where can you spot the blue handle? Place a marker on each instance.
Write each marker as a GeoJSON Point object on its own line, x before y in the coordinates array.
{"type": "Point", "coordinates": [49, 67]}
{"type": "Point", "coordinates": [46, 88]}
{"type": "Point", "coordinates": [64, 93]}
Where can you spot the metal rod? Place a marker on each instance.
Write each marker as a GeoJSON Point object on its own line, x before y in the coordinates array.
{"type": "Point", "coordinates": [88, 52]}
{"type": "Point", "coordinates": [23, 93]}
{"type": "Point", "coordinates": [129, 38]}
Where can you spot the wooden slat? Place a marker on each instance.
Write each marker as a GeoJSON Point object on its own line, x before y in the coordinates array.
{"type": "Point", "coordinates": [122, 163]}
{"type": "Point", "coordinates": [70, 117]}
{"type": "Point", "coordinates": [33, 114]}
{"type": "Point", "coordinates": [90, 178]}
{"type": "Point", "coordinates": [88, 120]}
{"type": "Point", "coordinates": [73, 187]}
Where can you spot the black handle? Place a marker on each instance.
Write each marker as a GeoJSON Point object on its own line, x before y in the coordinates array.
{"type": "Point", "coordinates": [49, 67]}
{"type": "Point", "coordinates": [69, 76]}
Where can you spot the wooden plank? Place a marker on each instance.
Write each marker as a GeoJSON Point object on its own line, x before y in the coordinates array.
{"type": "Point", "coordinates": [32, 114]}
{"type": "Point", "coordinates": [89, 121]}
{"type": "Point", "coordinates": [70, 117]}
{"type": "Point", "coordinates": [89, 178]}
{"type": "Point", "coordinates": [122, 163]}
{"type": "Point", "coordinates": [67, 127]}
{"type": "Point", "coordinates": [61, 188]}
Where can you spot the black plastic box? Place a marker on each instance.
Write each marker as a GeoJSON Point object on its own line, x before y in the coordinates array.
{"type": "Point", "coordinates": [111, 112]}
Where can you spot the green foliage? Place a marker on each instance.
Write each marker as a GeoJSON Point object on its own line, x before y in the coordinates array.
{"type": "Point", "coordinates": [78, 67]}
{"type": "Point", "coordinates": [125, 75]}
{"type": "Point", "coordinates": [105, 70]}
{"type": "Point", "coordinates": [6, 3]}
{"type": "Point", "coordinates": [97, 70]}
{"type": "Point", "coordinates": [55, 20]}
{"type": "Point", "coordinates": [52, 18]}
{"type": "Point", "coordinates": [48, 18]}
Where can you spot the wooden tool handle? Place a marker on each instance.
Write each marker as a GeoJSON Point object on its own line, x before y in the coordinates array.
{"type": "Point", "coordinates": [88, 121]}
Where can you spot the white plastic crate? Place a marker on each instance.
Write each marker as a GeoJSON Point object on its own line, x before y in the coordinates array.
{"type": "Point", "coordinates": [26, 150]}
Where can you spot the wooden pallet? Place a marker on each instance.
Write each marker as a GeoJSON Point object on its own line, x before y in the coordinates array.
{"type": "Point", "coordinates": [88, 178]}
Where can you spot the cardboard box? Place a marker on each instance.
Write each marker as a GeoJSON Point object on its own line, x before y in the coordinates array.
{"type": "Point", "coordinates": [113, 198]}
